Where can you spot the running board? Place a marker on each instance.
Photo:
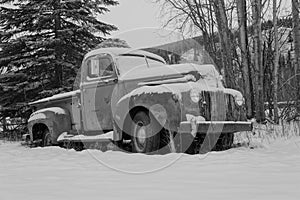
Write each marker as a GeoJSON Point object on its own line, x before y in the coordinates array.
{"type": "Point", "coordinates": [65, 137]}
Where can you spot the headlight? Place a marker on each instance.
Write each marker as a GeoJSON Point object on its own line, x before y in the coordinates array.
{"type": "Point", "coordinates": [239, 101]}
{"type": "Point", "coordinates": [195, 96]}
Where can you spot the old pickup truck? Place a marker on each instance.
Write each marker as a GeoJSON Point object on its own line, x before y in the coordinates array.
{"type": "Point", "coordinates": [134, 100]}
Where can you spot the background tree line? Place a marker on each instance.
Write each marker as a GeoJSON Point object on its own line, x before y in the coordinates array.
{"type": "Point", "coordinates": [42, 44]}
{"type": "Point", "coordinates": [255, 46]}
{"type": "Point", "coordinates": [253, 43]}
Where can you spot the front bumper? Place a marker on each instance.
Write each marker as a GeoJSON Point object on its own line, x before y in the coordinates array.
{"type": "Point", "coordinates": [214, 127]}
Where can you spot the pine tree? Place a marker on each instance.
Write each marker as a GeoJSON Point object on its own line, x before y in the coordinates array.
{"type": "Point", "coordinates": [113, 42]}
{"type": "Point", "coordinates": [45, 41]}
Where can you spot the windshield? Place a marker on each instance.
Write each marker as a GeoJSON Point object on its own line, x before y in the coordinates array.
{"type": "Point", "coordinates": [129, 62]}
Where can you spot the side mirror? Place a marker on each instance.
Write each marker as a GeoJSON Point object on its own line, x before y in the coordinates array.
{"type": "Point", "coordinates": [76, 100]}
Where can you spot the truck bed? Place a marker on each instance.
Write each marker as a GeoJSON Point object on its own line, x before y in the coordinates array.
{"type": "Point", "coordinates": [56, 97]}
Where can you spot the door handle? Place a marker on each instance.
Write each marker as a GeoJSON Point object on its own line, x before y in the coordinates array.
{"type": "Point", "coordinates": [107, 100]}
{"type": "Point", "coordinates": [114, 80]}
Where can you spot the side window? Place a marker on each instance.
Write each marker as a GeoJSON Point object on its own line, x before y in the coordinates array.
{"type": "Point", "coordinates": [100, 67]}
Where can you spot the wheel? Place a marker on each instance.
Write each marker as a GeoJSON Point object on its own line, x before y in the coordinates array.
{"type": "Point", "coordinates": [230, 140]}
{"type": "Point", "coordinates": [47, 140]}
{"type": "Point", "coordinates": [226, 141]}
{"type": "Point", "coordinates": [145, 133]}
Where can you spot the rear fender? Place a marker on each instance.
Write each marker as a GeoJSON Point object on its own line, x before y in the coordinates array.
{"type": "Point", "coordinates": [56, 119]}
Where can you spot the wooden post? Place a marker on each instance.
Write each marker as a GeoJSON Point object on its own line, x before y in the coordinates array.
{"type": "Point", "coordinates": [259, 71]}
{"type": "Point", "coordinates": [246, 69]}
{"type": "Point", "coordinates": [296, 33]}
{"type": "Point", "coordinates": [276, 62]}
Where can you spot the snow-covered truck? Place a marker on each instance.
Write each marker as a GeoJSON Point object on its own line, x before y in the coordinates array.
{"type": "Point", "coordinates": [133, 98]}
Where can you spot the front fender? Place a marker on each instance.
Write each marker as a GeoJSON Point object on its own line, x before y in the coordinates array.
{"type": "Point", "coordinates": [56, 119]}
{"type": "Point", "coordinates": [163, 102]}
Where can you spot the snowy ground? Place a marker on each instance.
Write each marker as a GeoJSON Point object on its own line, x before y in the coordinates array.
{"type": "Point", "coordinates": [269, 172]}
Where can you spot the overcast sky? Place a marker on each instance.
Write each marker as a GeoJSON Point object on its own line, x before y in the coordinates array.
{"type": "Point", "coordinates": [132, 14]}
{"type": "Point", "coordinates": [139, 23]}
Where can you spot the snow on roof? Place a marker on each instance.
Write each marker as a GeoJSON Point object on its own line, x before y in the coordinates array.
{"type": "Point", "coordinates": [120, 51]}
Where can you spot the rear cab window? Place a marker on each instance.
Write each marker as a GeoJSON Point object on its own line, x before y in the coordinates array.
{"type": "Point", "coordinates": [100, 67]}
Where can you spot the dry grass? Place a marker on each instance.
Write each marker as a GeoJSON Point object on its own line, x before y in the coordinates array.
{"type": "Point", "coordinates": [264, 134]}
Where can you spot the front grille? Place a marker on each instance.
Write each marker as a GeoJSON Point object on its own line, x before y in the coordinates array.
{"type": "Point", "coordinates": [217, 106]}
{"type": "Point", "coordinates": [205, 105]}
{"type": "Point", "coordinates": [230, 107]}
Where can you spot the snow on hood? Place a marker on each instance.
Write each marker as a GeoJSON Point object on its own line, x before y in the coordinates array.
{"type": "Point", "coordinates": [174, 88]}
{"type": "Point", "coordinates": [209, 81]}
{"type": "Point", "coordinates": [164, 71]}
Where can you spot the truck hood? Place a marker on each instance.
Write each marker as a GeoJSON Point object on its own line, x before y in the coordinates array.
{"type": "Point", "coordinates": [164, 72]}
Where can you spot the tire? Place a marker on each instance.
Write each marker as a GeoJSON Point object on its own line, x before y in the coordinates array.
{"type": "Point", "coordinates": [226, 141]}
{"type": "Point", "coordinates": [230, 140]}
{"type": "Point", "coordinates": [47, 139]}
{"type": "Point", "coordinates": [145, 133]}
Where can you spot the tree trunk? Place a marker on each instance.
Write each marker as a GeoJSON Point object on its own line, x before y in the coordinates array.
{"type": "Point", "coordinates": [226, 41]}
{"type": "Point", "coordinates": [259, 71]}
{"type": "Point", "coordinates": [276, 62]}
{"type": "Point", "coordinates": [296, 33]}
{"type": "Point", "coordinates": [246, 69]}
{"type": "Point", "coordinates": [58, 52]}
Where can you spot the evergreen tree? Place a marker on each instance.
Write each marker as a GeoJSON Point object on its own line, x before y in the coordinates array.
{"type": "Point", "coordinates": [113, 42]}
{"type": "Point", "coordinates": [43, 42]}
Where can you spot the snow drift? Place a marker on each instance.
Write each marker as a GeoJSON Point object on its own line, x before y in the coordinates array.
{"type": "Point", "coordinates": [271, 172]}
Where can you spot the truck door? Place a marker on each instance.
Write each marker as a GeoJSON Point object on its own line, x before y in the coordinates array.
{"type": "Point", "coordinates": [97, 86]}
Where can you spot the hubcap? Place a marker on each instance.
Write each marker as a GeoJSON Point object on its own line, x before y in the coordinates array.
{"type": "Point", "coordinates": [140, 134]}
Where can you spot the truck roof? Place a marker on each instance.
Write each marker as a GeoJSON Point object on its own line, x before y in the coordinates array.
{"type": "Point", "coordinates": [120, 51]}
